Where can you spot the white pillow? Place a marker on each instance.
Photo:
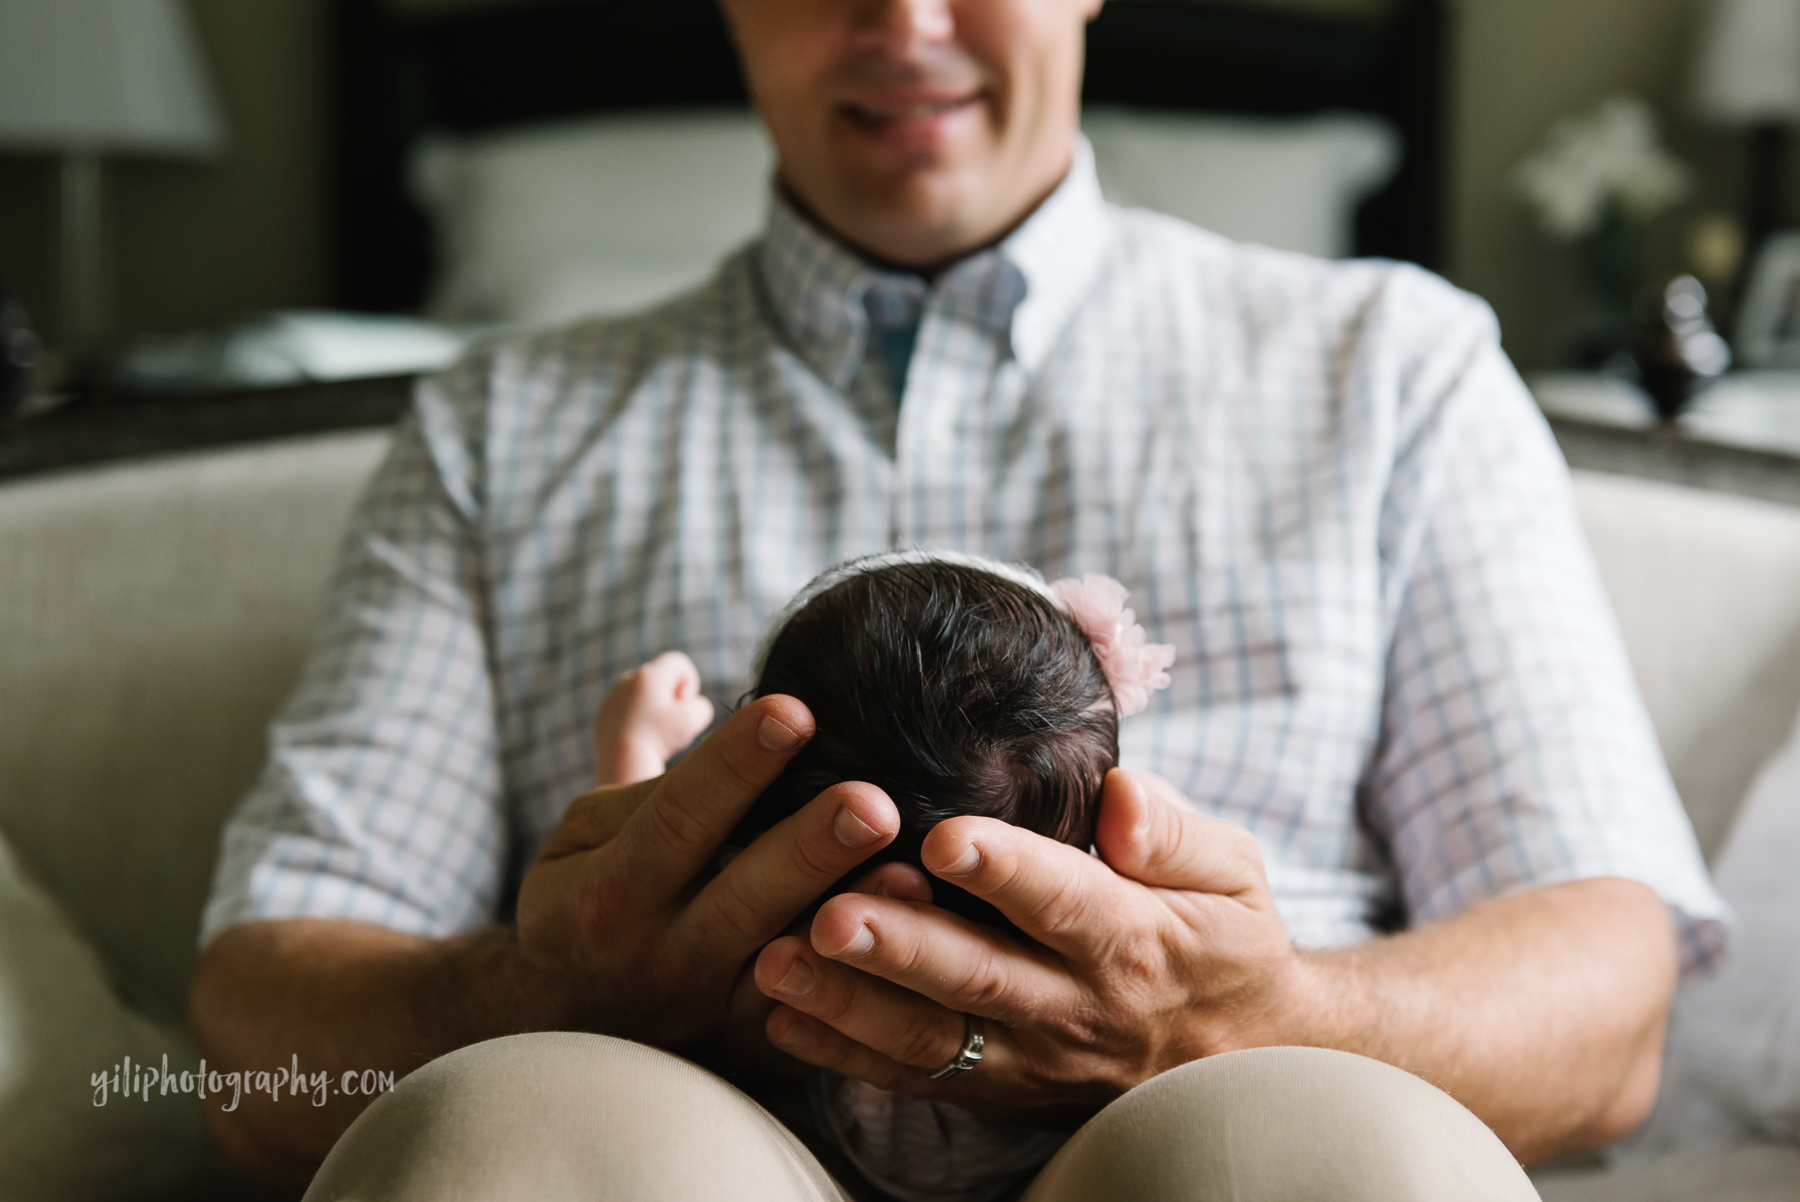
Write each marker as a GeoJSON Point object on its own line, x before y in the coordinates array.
{"type": "Point", "coordinates": [60, 1024]}
{"type": "Point", "coordinates": [1290, 183]}
{"type": "Point", "coordinates": [552, 222]}
{"type": "Point", "coordinates": [548, 223]}
{"type": "Point", "coordinates": [1732, 1070]}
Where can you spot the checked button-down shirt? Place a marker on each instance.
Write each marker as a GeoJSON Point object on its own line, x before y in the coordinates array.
{"type": "Point", "coordinates": [1323, 483]}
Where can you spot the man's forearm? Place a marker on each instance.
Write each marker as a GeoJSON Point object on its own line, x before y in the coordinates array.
{"type": "Point", "coordinates": [348, 996]}
{"type": "Point", "coordinates": [1543, 1012]}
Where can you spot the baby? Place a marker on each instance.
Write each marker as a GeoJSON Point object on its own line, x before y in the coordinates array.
{"type": "Point", "coordinates": [958, 685]}
{"type": "Point", "coordinates": [955, 684]}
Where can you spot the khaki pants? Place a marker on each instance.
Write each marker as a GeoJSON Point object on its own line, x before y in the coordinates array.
{"type": "Point", "coordinates": [565, 1116]}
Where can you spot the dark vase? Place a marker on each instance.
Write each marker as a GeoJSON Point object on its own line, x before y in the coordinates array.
{"type": "Point", "coordinates": [1677, 351]}
{"type": "Point", "coordinates": [1601, 339]}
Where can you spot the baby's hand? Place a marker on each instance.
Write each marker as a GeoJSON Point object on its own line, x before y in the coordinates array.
{"type": "Point", "coordinates": [649, 715]}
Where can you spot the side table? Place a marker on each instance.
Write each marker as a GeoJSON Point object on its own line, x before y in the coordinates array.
{"type": "Point", "coordinates": [1740, 436]}
{"type": "Point", "coordinates": [131, 426]}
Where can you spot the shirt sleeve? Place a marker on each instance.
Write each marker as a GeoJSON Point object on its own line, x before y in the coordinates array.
{"type": "Point", "coordinates": [381, 797]}
{"type": "Point", "coordinates": [1515, 751]}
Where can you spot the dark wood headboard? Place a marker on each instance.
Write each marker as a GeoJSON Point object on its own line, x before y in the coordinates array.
{"type": "Point", "coordinates": [398, 77]}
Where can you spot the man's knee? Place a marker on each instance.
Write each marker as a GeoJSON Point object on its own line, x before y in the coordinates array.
{"type": "Point", "coordinates": [570, 1116]}
{"type": "Point", "coordinates": [1293, 1124]}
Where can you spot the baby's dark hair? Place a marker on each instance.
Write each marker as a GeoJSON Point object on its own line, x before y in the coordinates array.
{"type": "Point", "coordinates": [954, 689]}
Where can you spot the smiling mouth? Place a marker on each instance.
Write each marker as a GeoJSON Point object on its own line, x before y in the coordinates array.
{"type": "Point", "coordinates": [876, 116]}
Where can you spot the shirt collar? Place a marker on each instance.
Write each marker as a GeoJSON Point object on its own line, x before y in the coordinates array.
{"type": "Point", "coordinates": [1025, 289]}
{"type": "Point", "coordinates": [1059, 252]}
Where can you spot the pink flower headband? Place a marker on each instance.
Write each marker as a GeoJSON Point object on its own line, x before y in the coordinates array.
{"type": "Point", "coordinates": [1134, 667]}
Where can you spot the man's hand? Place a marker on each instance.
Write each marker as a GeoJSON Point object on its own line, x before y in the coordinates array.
{"type": "Point", "coordinates": [622, 904]}
{"type": "Point", "coordinates": [1183, 956]}
{"type": "Point", "coordinates": [1542, 1012]}
{"type": "Point", "coordinates": [624, 928]}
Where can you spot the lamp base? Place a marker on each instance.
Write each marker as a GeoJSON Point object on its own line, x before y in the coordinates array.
{"type": "Point", "coordinates": [81, 202]}
{"type": "Point", "coordinates": [1765, 209]}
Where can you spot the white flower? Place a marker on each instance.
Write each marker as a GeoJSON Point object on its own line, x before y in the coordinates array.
{"type": "Point", "coordinates": [1612, 155]}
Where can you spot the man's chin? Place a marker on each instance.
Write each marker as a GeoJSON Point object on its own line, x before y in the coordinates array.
{"type": "Point", "coordinates": [921, 221]}
{"type": "Point", "coordinates": [920, 241]}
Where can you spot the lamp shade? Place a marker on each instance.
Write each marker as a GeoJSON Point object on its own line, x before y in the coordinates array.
{"type": "Point", "coordinates": [1749, 66]}
{"type": "Point", "coordinates": [112, 76]}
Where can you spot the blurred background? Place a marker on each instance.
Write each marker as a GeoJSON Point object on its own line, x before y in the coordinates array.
{"type": "Point", "coordinates": [202, 245]}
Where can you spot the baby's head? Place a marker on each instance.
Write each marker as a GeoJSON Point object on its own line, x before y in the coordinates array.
{"type": "Point", "coordinates": [956, 685]}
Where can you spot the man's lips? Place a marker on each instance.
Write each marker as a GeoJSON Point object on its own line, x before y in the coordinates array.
{"type": "Point", "coordinates": [878, 115]}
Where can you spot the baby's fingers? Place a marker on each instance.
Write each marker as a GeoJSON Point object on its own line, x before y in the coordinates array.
{"type": "Point", "coordinates": [673, 674]}
{"type": "Point", "coordinates": [696, 716]}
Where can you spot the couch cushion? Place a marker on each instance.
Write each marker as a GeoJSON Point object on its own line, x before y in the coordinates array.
{"type": "Point", "coordinates": [155, 616]}
{"type": "Point", "coordinates": [1731, 1065]}
{"type": "Point", "coordinates": [1707, 589]}
{"type": "Point", "coordinates": [1760, 1174]}
{"type": "Point", "coordinates": [62, 1139]}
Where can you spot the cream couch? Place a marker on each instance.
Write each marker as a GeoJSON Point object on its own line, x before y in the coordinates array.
{"type": "Point", "coordinates": [155, 614]}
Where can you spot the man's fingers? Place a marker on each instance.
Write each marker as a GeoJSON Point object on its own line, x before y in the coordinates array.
{"type": "Point", "coordinates": [895, 879]}
{"type": "Point", "coordinates": [784, 871]}
{"type": "Point", "coordinates": [994, 1085]}
{"type": "Point", "coordinates": [594, 819]}
{"type": "Point", "coordinates": [1147, 832]}
{"type": "Point", "coordinates": [940, 956]}
{"type": "Point", "coordinates": [673, 836]}
{"type": "Point", "coordinates": [812, 1042]}
{"type": "Point", "coordinates": [900, 1024]}
{"type": "Point", "coordinates": [1062, 897]}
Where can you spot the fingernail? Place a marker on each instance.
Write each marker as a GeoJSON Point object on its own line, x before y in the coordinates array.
{"type": "Point", "coordinates": [776, 737]}
{"type": "Point", "coordinates": [852, 831]}
{"type": "Point", "coordinates": [861, 943]}
{"type": "Point", "coordinates": [964, 864]}
{"type": "Point", "coordinates": [799, 980]}
{"type": "Point", "coordinates": [796, 1038]}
